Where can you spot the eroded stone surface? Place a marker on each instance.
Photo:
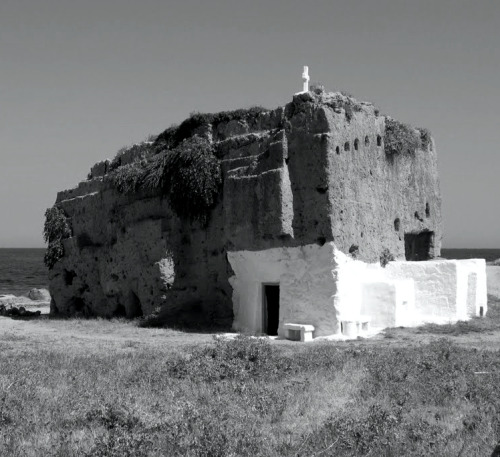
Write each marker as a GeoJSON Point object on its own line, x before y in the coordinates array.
{"type": "Point", "coordinates": [310, 173]}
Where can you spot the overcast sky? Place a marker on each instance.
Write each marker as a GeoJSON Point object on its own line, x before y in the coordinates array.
{"type": "Point", "coordinates": [80, 79]}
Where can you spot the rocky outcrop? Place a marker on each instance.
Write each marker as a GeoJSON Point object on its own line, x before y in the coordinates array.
{"type": "Point", "coordinates": [312, 172]}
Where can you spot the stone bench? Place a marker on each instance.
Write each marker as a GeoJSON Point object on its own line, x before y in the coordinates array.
{"type": "Point", "coordinates": [299, 332]}
{"type": "Point", "coordinates": [352, 327]}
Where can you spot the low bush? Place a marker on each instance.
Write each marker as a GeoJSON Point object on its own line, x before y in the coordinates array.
{"type": "Point", "coordinates": [425, 138]}
{"type": "Point", "coordinates": [137, 151]}
{"type": "Point", "coordinates": [344, 100]}
{"type": "Point", "coordinates": [189, 175]}
{"type": "Point", "coordinates": [386, 257]}
{"type": "Point", "coordinates": [175, 135]}
{"type": "Point", "coordinates": [128, 179]}
{"type": "Point", "coordinates": [56, 228]}
{"type": "Point", "coordinates": [400, 138]}
{"type": "Point", "coordinates": [241, 359]}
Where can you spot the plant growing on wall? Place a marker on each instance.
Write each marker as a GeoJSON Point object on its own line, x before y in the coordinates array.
{"type": "Point", "coordinates": [195, 178]}
{"type": "Point", "coordinates": [127, 179]}
{"type": "Point", "coordinates": [56, 228]}
{"type": "Point", "coordinates": [175, 135]}
{"type": "Point", "coordinates": [189, 175]}
{"type": "Point", "coordinates": [400, 138]}
{"type": "Point", "coordinates": [386, 257]}
{"type": "Point", "coordinates": [425, 137]}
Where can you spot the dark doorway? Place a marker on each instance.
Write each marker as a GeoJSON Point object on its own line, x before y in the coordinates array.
{"type": "Point", "coordinates": [419, 246]}
{"type": "Point", "coordinates": [271, 308]}
{"type": "Point", "coordinates": [134, 308]}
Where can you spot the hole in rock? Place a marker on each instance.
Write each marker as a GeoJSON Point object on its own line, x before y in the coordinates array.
{"type": "Point", "coordinates": [69, 275]}
{"type": "Point", "coordinates": [367, 140]}
{"type": "Point", "coordinates": [356, 144]}
{"type": "Point", "coordinates": [347, 146]}
{"type": "Point", "coordinates": [119, 311]}
{"type": "Point", "coordinates": [427, 210]}
{"type": "Point", "coordinates": [379, 140]}
{"type": "Point", "coordinates": [134, 308]}
{"type": "Point", "coordinates": [397, 224]}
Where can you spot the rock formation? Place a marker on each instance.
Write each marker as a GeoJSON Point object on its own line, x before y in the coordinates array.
{"type": "Point", "coordinates": [323, 169]}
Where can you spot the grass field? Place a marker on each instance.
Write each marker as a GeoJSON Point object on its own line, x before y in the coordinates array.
{"type": "Point", "coordinates": [110, 388]}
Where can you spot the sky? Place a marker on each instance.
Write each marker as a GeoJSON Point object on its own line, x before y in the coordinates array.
{"type": "Point", "coordinates": [81, 79]}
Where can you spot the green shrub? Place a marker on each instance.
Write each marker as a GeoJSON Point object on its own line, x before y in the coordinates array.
{"type": "Point", "coordinates": [345, 101]}
{"type": "Point", "coordinates": [55, 229]}
{"type": "Point", "coordinates": [386, 257]}
{"type": "Point", "coordinates": [195, 179]}
{"type": "Point", "coordinates": [174, 135]}
{"type": "Point", "coordinates": [189, 175]}
{"type": "Point", "coordinates": [425, 137]}
{"type": "Point", "coordinates": [140, 151]}
{"type": "Point", "coordinates": [400, 138]}
{"type": "Point", "coordinates": [242, 358]}
{"type": "Point", "coordinates": [127, 179]}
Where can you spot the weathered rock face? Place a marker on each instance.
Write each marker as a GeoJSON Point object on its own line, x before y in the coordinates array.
{"type": "Point", "coordinates": [312, 172]}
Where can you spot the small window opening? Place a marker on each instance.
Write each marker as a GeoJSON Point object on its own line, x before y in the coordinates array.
{"type": "Point", "coordinates": [347, 146]}
{"type": "Point", "coordinates": [379, 140]}
{"type": "Point", "coordinates": [419, 246]}
{"type": "Point", "coordinates": [367, 140]}
{"type": "Point", "coordinates": [427, 210]}
{"type": "Point", "coordinates": [337, 150]}
{"type": "Point", "coordinates": [481, 311]}
{"type": "Point", "coordinates": [397, 224]}
{"type": "Point", "coordinates": [356, 144]}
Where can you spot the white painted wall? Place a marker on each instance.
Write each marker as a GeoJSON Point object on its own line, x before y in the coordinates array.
{"type": "Point", "coordinates": [320, 286]}
{"type": "Point", "coordinates": [493, 278]}
{"type": "Point", "coordinates": [307, 287]}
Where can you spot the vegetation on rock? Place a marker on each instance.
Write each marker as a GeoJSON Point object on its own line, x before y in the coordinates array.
{"type": "Point", "coordinates": [140, 151]}
{"type": "Point", "coordinates": [55, 229]}
{"type": "Point", "coordinates": [189, 175]}
{"type": "Point", "coordinates": [400, 138]}
{"type": "Point", "coordinates": [174, 135]}
{"type": "Point", "coordinates": [425, 138]}
{"type": "Point", "coordinates": [385, 257]}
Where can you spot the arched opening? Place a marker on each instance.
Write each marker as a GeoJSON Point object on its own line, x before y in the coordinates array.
{"type": "Point", "coordinates": [133, 307]}
{"type": "Point", "coordinates": [120, 311]}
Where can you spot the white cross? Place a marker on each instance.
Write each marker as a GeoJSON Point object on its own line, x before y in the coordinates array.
{"type": "Point", "coordinates": [305, 79]}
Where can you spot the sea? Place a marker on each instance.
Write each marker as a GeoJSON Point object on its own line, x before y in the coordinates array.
{"type": "Point", "coordinates": [23, 269]}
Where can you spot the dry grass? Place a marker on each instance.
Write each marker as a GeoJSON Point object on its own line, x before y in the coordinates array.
{"type": "Point", "coordinates": [108, 388]}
